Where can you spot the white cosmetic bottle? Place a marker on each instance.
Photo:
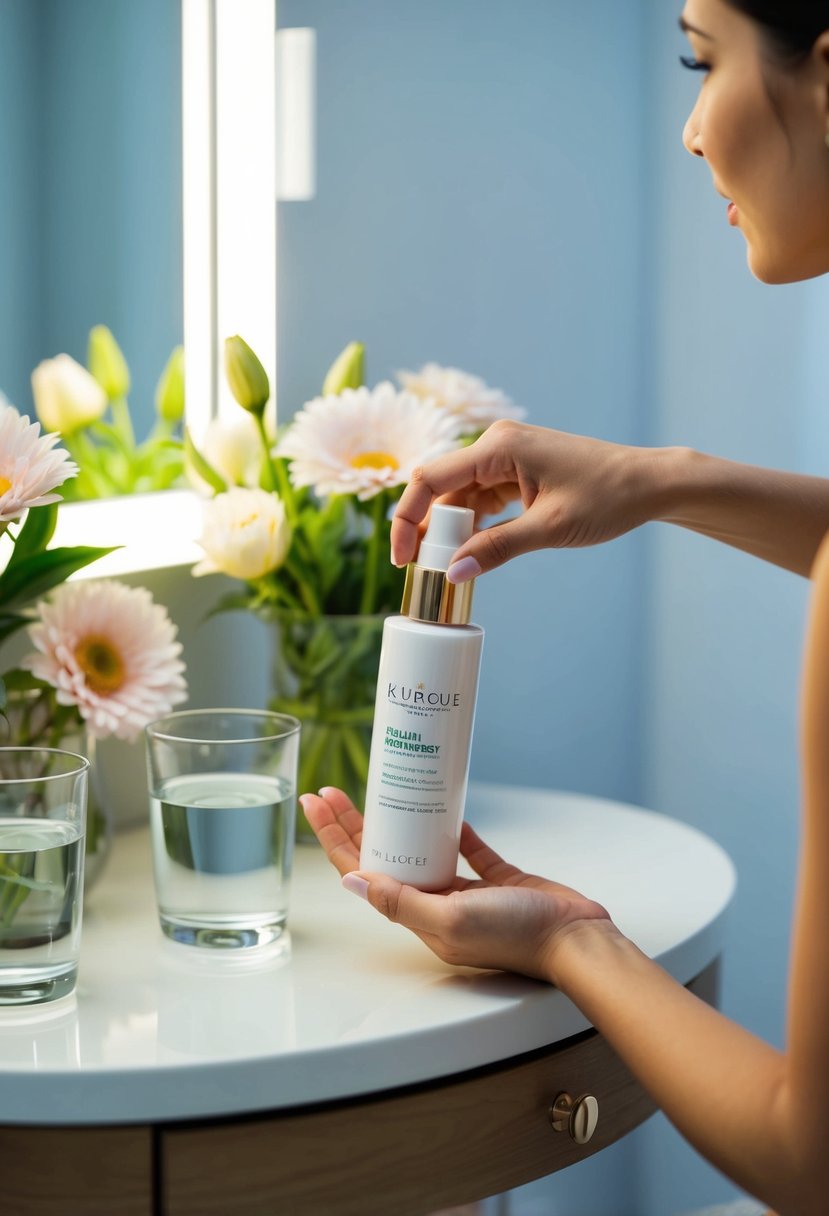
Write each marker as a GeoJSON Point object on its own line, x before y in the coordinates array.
{"type": "Point", "coordinates": [424, 713]}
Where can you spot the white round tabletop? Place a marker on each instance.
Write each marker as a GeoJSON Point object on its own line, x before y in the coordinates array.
{"type": "Point", "coordinates": [355, 1005]}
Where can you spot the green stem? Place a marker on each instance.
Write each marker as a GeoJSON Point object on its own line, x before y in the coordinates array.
{"type": "Point", "coordinates": [274, 592]}
{"type": "Point", "coordinates": [123, 422]}
{"type": "Point", "coordinates": [269, 475]}
{"type": "Point", "coordinates": [16, 895]}
{"type": "Point", "coordinates": [286, 490]}
{"type": "Point", "coordinates": [369, 595]}
{"type": "Point", "coordinates": [91, 481]}
{"type": "Point", "coordinates": [309, 599]}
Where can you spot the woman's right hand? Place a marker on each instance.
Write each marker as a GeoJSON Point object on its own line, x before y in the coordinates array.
{"type": "Point", "coordinates": [505, 919]}
{"type": "Point", "coordinates": [575, 491]}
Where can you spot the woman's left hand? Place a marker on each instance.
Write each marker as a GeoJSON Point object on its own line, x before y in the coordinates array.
{"type": "Point", "coordinates": [505, 919]}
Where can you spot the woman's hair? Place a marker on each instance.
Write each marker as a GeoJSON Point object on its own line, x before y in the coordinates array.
{"type": "Point", "coordinates": [791, 26]}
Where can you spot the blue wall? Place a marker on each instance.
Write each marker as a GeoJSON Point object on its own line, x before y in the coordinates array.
{"type": "Point", "coordinates": [20, 120]}
{"type": "Point", "coordinates": [90, 151]}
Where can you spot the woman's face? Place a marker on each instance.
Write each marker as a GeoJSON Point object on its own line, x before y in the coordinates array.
{"type": "Point", "coordinates": [762, 129]}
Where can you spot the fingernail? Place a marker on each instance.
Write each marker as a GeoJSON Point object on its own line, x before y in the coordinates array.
{"type": "Point", "coordinates": [356, 885]}
{"type": "Point", "coordinates": [326, 790]}
{"type": "Point", "coordinates": [463, 571]}
{"type": "Point", "coordinates": [302, 800]}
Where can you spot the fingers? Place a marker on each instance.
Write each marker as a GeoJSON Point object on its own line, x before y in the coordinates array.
{"type": "Point", "coordinates": [493, 547]}
{"type": "Point", "coordinates": [338, 826]}
{"type": "Point", "coordinates": [486, 862]}
{"type": "Point", "coordinates": [451, 477]}
{"type": "Point", "coordinates": [448, 473]}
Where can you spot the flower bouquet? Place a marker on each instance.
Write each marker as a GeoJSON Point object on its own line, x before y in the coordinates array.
{"type": "Point", "coordinates": [89, 407]}
{"type": "Point", "coordinates": [105, 659]}
{"type": "Point", "coordinates": [302, 518]}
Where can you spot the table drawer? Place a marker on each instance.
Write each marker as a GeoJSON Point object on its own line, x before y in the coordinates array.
{"type": "Point", "coordinates": [76, 1171]}
{"type": "Point", "coordinates": [426, 1148]}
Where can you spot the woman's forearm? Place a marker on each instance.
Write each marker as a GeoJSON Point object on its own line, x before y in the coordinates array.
{"type": "Point", "coordinates": [724, 1089]}
{"type": "Point", "coordinates": [781, 517]}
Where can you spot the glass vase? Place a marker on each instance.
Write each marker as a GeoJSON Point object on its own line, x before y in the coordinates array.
{"type": "Point", "coordinates": [325, 674]}
{"type": "Point", "coordinates": [29, 722]}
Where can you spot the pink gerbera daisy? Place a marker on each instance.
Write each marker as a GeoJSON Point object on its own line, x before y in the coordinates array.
{"type": "Point", "coordinates": [111, 651]}
{"type": "Point", "coordinates": [29, 469]}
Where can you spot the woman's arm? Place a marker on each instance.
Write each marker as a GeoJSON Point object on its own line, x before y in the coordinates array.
{"type": "Point", "coordinates": [723, 1089]}
{"type": "Point", "coordinates": [807, 1074]}
{"type": "Point", "coordinates": [761, 1116]}
{"type": "Point", "coordinates": [580, 491]}
{"type": "Point", "coordinates": [781, 517]}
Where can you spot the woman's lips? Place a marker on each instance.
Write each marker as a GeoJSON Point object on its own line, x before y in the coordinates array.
{"type": "Point", "coordinates": [733, 215]}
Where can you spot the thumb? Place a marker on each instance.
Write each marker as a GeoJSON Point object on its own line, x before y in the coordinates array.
{"type": "Point", "coordinates": [395, 900]}
{"type": "Point", "coordinates": [493, 547]}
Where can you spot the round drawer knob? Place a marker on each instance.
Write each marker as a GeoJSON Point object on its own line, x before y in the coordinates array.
{"type": "Point", "coordinates": [578, 1117]}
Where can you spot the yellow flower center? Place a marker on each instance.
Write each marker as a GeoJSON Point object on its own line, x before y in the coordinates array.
{"type": "Point", "coordinates": [374, 460]}
{"type": "Point", "coordinates": [101, 664]}
{"type": "Point", "coordinates": [5, 484]}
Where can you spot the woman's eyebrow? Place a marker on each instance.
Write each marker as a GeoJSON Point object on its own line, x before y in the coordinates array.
{"type": "Point", "coordinates": [687, 28]}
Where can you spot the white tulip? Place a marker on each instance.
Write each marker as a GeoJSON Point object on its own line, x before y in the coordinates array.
{"type": "Point", "coordinates": [245, 534]}
{"type": "Point", "coordinates": [66, 395]}
{"type": "Point", "coordinates": [234, 449]}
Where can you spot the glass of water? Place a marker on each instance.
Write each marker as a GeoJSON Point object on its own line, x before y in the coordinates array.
{"type": "Point", "coordinates": [42, 830]}
{"type": "Point", "coordinates": [222, 815]}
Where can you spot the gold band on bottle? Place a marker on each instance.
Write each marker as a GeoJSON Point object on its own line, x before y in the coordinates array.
{"type": "Point", "coordinates": [429, 596]}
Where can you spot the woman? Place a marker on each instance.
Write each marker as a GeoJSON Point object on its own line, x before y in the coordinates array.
{"type": "Point", "coordinates": [762, 124]}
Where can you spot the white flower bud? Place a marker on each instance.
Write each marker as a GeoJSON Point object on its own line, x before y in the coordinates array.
{"type": "Point", "coordinates": [245, 534]}
{"type": "Point", "coordinates": [66, 396]}
{"type": "Point", "coordinates": [233, 447]}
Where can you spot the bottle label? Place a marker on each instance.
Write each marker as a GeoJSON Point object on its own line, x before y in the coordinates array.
{"type": "Point", "coordinates": [420, 749]}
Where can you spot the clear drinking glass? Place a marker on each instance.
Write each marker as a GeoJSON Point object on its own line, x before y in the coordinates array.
{"type": "Point", "coordinates": [42, 830]}
{"type": "Point", "coordinates": [222, 816]}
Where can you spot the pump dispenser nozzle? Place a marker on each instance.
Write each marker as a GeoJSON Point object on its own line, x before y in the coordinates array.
{"type": "Point", "coordinates": [428, 595]}
{"type": "Point", "coordinates": [449, 528]}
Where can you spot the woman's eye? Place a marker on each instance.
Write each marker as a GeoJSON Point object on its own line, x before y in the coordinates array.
{"type": "Point", "coordinates": [694, 65]}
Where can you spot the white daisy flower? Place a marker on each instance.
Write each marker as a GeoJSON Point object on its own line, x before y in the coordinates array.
{"type": "Point", "coordinates": [29, 469]}
{"type": "Point", "coordinates": [245, 534]}
{"type": "Point", "coordinates": [467, 397]}
{"type": "Point", "coordinates": [111, 651]}
{"type": "Point", "coordinates": [365, 440]}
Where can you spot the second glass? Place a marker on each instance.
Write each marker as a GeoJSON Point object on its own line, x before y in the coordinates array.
{"type": "Point", "coordinates": [222, 816]}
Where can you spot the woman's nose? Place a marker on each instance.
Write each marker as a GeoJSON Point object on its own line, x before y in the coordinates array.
{"type": "Point", "coordinates": [690, 135]}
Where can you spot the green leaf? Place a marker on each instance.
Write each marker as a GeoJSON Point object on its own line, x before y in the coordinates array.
{"type": "Point", "coordinates": [204, 469]}
{"type": "Point", "coordinates": [108, 435]}
{"type": "Point", "coordinates": [233, 601]}
{"type": "Point", "coordinates": [10, 623]}
{"type": "Point", "coordinates": [18, 680]}
{"type": "Point", "coordinates": [36, 532]}
{"type": "Point", "coordinates": [39, 572]}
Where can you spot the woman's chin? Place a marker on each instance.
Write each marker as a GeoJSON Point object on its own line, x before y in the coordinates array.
{"type": "Point", "coordinates": [778, 270]}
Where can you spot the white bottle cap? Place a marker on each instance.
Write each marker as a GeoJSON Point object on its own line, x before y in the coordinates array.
{"type": "Point", "coordinates": [449, 528]}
